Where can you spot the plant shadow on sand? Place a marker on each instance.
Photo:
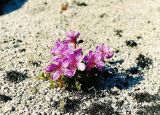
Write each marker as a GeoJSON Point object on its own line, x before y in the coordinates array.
{"type": "Point", "coordinates": [94, 84]}
{"type": "Point", "coordinates": [7, 6]}
{"type": "Point", "coordinates": [111, 77]}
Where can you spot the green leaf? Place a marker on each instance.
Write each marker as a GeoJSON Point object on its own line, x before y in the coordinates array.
{"type": "Point", "coordinates": [64, 78]}
{"type": "Point", "coordinates": [43, 76]}
{"type": "Point", "coordinates": [78, 85]}
{"type": "Point", "coordinates": [47, 76]}
{"type": "Point", "coordinates": [40, 76]}
{"type": "Point", "coordinates": [52, 84]}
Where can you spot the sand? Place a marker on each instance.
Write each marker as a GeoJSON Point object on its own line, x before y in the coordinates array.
{"type": "Point", "coordinates": [29, 29]}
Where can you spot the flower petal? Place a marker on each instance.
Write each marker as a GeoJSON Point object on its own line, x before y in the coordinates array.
{"type": "Point", "coordinates": [56, 75]}
{"type": "Point", "coordinates": [81, 66]}
{"type": "Point", "coordinates": [78, 34]}
{"type": "Point", "coordinates": [65, 62]}
{"type": "Point", "coordinates": [110, 54]}
{"type": "Point", "coordinates": [73, 34]}
{"type": "Point", "coordinates": [70, 72]}
{"type": "Point", "coordinates": [104, 51]}
{"type": "Point", "coordinates": [51, 68]}
{"type": "Point", "coordinates": [78, 52]}
{"type": "Point", "coordinates": [90, 65]}
{"type": "Point", "coordinates": [85, 58]}
{"type": "Point", "coordinates": [100, 65]}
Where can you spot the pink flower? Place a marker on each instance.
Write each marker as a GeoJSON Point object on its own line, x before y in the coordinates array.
{"type": "Point", "coordinates": [58, 69]}
{"type": "Point", "coordinates": [61, 49]}
{"type": "Point", "coordinates": [93, 59]}
{"type": "Point", "coordinates": [72, 36]}
{"type": "Point", "coordinates": [66, 65]}
{"type": "Point", "coordinates": [67, 58]}
{"type": "Point", "coordinates": [104, 51]}
{"type": "Point", "coordinates": [75, 62]}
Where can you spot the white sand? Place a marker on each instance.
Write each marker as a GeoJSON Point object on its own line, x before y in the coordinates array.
{"type": "Point", "coordinates": [38, 25]}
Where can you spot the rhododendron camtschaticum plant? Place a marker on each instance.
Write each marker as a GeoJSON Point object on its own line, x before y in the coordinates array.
{"type": "Point", "coordinates": [68, 59]}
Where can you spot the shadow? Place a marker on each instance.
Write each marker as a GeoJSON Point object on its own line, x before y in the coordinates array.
{"type": "Point", "coordinates": [4, 98]}
{"type": "Point", "coordinates": [15, 76]}
{"type": "Point", "coordinates": [144, 62]}
{"type": "Point", "coordinates": [116, 62]}
{"type": "Point", "coordinates": [121, 81]}
{"type": "Point", "coordinates": [146, 97]}
{"type": "Point", "coordinates": [71, 105]}
{"type": "Point", "coordinates": [111, 77]}
{"type": "Point", "coordinates": [149, 110]}
{"type": "Point", "coordinates": [8, 6]}
{"type": "Point", "coordinates": [100, 109]}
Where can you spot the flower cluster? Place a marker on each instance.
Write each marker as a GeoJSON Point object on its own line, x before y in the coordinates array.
{"type": "Point", "coordinates": [67, 58]}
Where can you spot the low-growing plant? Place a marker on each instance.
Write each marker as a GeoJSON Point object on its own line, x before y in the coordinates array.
{"type": "Point", "coordinates": [69, 67]}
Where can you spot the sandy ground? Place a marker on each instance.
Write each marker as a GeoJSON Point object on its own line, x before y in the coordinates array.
{"type": "Point", "coordinates": [28, 33]}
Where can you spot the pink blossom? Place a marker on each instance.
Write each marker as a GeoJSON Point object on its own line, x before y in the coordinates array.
{"type": "Point", "coordinates": [75, 62]}
{"type": "Point", "coordinates": [104, 51]}
{"type": "Point", "coordinates": [67, 58]}
{"type": "Point", "coordinates": [61, 49]}
{"type": "Point", "coordinates": [58, 69]}
{"type": "Point", "coordinates": [93, 59]}
{"type": "Point", "coordinates": [72, 36]}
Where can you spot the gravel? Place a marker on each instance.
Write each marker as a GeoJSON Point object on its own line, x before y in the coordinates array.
{"type": "Point", "coordinates": [27, 33]}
